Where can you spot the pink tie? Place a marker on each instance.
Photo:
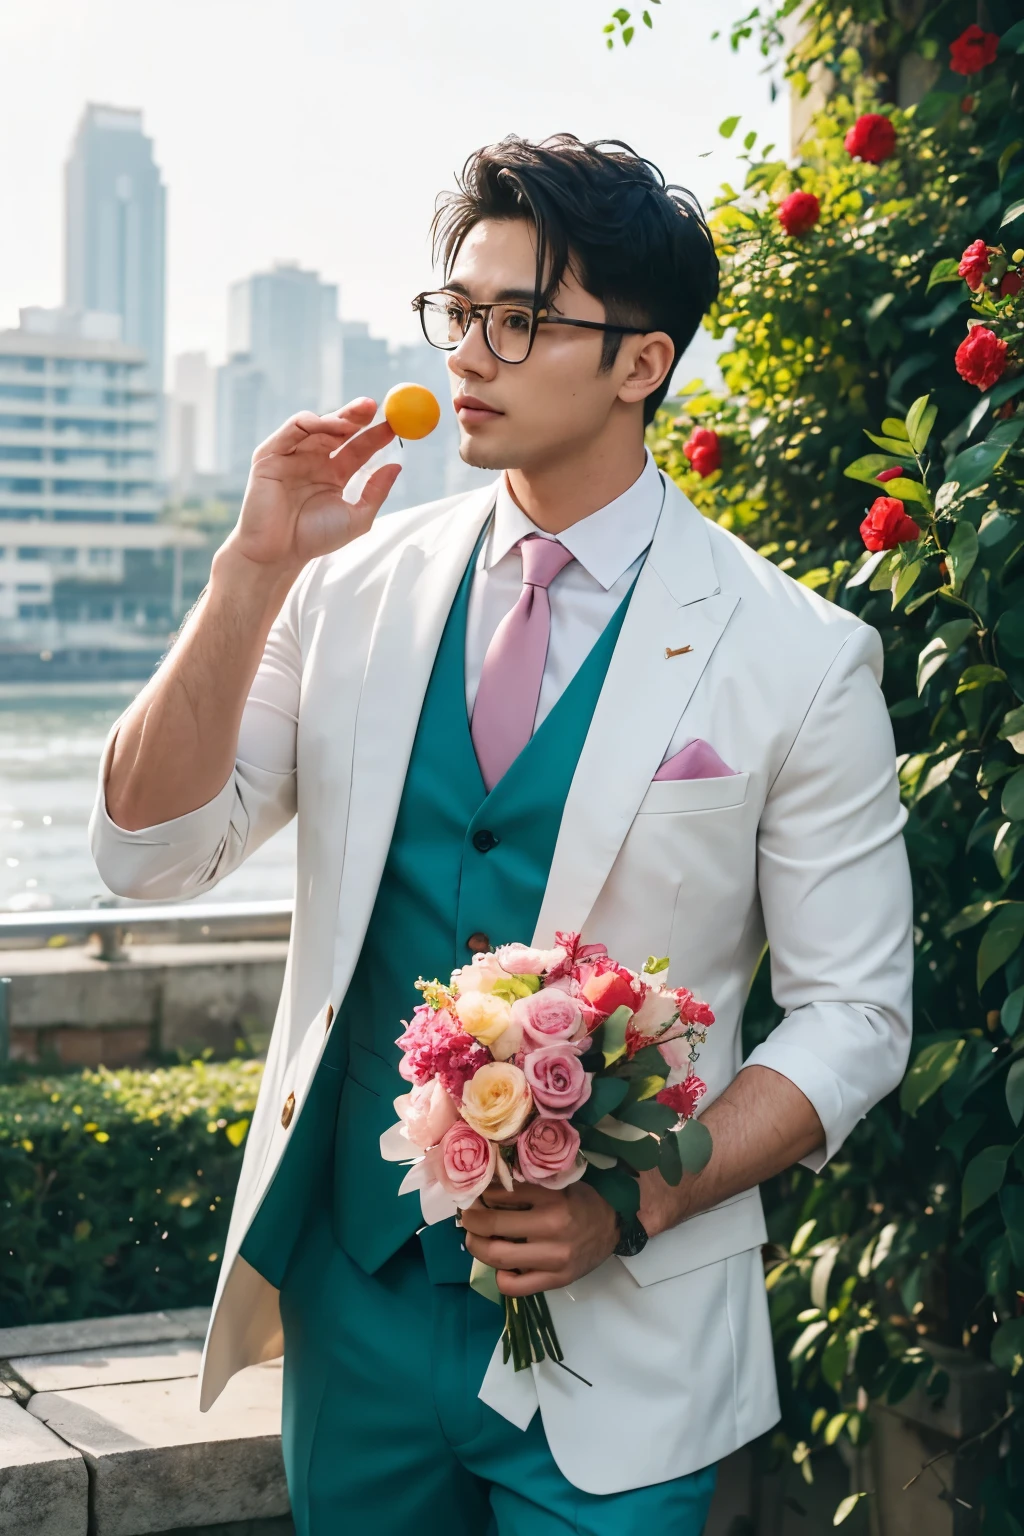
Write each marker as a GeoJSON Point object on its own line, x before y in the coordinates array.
{"type": "Point", "coordinates": [513, 669]}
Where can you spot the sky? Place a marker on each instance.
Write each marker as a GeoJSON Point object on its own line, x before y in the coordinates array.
{"type": "Point", "coordinates": [322, 132]}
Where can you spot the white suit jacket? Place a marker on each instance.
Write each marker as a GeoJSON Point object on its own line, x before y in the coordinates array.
{"type": "Point", "coordinates": [802, 846]}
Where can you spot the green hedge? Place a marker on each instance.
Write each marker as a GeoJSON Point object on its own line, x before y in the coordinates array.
{"type": "Point", "coordinates": [116, 1188]}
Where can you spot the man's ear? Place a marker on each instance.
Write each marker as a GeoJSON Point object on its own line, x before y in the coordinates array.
{"type": "Point", "coordinates": [651, 359]}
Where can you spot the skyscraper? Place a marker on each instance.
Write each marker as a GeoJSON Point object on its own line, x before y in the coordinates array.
{"type": "Point", "coordinates": [115, 229]}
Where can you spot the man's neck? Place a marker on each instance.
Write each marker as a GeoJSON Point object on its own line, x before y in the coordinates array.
{"type": "Point", "coordinates": [557, 495]}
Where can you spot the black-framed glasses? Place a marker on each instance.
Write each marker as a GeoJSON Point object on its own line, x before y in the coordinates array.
{"type": "Point", "coordinates": [509, 328]}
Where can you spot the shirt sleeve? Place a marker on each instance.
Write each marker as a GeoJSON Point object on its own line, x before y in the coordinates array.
{"type": "Point", "coordinates": [836, 896]}
{"type": "Point", "coordinates": [190, 854]}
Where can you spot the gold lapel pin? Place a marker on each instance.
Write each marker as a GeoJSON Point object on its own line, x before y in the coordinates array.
{"type": "Point", "coordinates": [681, 651]}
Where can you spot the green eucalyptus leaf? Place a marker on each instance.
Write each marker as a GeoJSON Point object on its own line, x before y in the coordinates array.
{"type": "Point", "coordinates": [932, 1066]}
{"type": "Point", "coordinates": [694, 1142]}
{"type": "Point", "coordinates": [620, 1189]}
{"type": "Point", "coordinates": [670, 1164]}
{"type": "Point", "coordinates": [606, 1094]}
{"type": "Point", "coordinates": [614, 1043]}
{"type": "Point", "coordinates": [649, 1115]}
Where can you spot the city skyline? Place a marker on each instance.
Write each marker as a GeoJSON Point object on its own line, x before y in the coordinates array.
{"type": "Point", "coordinates": [285, 143]}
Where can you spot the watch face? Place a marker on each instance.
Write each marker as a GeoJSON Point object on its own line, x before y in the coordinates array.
{"type": "Point", "coordinates": [633, 1239]}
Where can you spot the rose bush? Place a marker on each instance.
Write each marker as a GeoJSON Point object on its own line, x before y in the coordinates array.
{"type": "Point", "coordinates": [882, 352]}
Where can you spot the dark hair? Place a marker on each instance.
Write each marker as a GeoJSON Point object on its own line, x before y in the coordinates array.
{"type": "Point", "coordinates": [604, 213]}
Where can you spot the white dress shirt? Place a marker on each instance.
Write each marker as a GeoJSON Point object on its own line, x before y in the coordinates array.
{"type": "Point", "coordinates": [608, 548]}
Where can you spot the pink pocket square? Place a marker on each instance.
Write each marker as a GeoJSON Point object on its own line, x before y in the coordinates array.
{"type": "Point", "coordinates": [697, 760]}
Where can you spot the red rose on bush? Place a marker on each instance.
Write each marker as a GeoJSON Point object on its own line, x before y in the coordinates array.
{"type": "Point", "coordinates": [889, 474]}
{"type": "Point", "coordinates": [887, 525]}
{"type": "Point", "coordinates": [981, 358]}
{"type": "Point", "coordinates": [799, 212]}
{"type": "Point", "coordinates": [972, 50]}
{"type": "Point", "coordinates": [704, 450]}
{"type": "Point", "coordinates": [1011, 284]}
{"type": "Point", "coordinates": [974, 263]}
{"type": "Point", "coordinates": [872, 138]}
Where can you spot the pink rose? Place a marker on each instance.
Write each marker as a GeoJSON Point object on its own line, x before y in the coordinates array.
{"type": "Point", "coordinates": [426, 1113]}
{"type": "Point", "coordinates": [549, 1153]}
{"type": "Point", "coordinates": [547, 1015]}
{"type": "Point", "coordinates": [521, 960]}
{"type": "Point", "coordinates": [556, 1076]}
{"type": "Point", "coordinates": [464, 1162]}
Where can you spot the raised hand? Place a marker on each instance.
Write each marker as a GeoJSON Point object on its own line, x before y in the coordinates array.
{"type": "Point", "coordinates": [294, 508]}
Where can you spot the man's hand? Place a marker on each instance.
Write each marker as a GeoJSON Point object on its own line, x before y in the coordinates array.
{"type": "Point", "coordinates": [539, 1239]}
{"type": "Point", "coordinates": [294, 508]}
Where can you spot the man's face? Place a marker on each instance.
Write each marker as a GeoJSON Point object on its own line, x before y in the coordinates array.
{"type": "Point", "coordinates": [528, 415]}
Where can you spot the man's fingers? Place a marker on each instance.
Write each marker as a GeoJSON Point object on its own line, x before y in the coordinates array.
{"type": "Point", "coordinates": [528, 1282]}
{"type": "Point", "coordinates": [507, 1221]}
{"type": "Point", "coordinates": [499, 1253]}
{"type": "Point", "coordinates": [338, 425]}
{"type": "Point", "coordinates": [375, 493]}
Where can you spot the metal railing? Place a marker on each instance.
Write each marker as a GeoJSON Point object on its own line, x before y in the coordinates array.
{"type": "Point", "coordinates": [114, 928]}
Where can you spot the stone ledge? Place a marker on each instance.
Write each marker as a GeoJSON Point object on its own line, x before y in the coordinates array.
{"type": "Point", "coordinates": [104, 1332]}
{"type": "Point", "coordinates": [44, 1485]}
{"type": "Point", "coordinates": [156, 1463]}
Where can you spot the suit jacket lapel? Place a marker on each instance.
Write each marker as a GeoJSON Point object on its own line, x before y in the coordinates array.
{"type": "Point", "coordinates": [676, 602]}
{"type": "Point", "coordinates": [408, 628]}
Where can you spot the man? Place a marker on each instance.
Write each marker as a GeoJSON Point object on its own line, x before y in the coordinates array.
{"type": "Point", "coordinates": [565, 702]}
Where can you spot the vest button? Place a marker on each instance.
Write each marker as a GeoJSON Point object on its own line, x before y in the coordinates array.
{"type": "Point", "coordinates": [288, 1111]}
{"type": "Point", "coordinates": [484, 841]}
{"type": "Point", "coordinates": [478, 943]}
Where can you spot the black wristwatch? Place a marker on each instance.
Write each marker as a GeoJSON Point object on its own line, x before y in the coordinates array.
{"type": "Point", "coordinates": [633, 1236]}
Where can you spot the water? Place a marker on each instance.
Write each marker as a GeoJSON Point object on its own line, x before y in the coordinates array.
{"type": "Point", "coordinates": [51, 738]}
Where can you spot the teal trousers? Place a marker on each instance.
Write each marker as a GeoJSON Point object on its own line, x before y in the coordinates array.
{"type": "Point", "coordinates": [383, 1430]}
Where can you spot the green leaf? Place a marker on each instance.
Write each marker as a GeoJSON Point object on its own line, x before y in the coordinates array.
{"type": "Point", "coordinates": [670, 1164]}
{"type": "Point", "coordinates": [235, 1132]}
{"type": "Point", "coordinates": [694, 1142]}
{"type": "Point", "coordinates": [835, 1359]}
{"type": "Point", "coordinates": [649, 1115]}
{"type": "Point", "coordinates": [627, 35]}
{"type": "Point", "coordinates": [640, 1155]}
{"type": "Point", "coordinates": [1011, 801]}
{"type": "Point", "coordinates": [846, 1507]}
{"type": "Point", "coordinates": [962, 553]}
{"type": "Point", "coordinates": [614, 1043]}
{"type": "Point", "coordinates": [821, 1274]}
{"type": "Point", "coordinates": [957, 1137]}
{"type": "Point", "coordinates": [867, 570]}
{"type": "Point", "coordinates": [932, 1067]}
{"type": "Point", "coordinates": [945, 271]}
{"type": "Point", "coordinates": [947, 639]}
{"type": "Point", "coordinates": [882, 577]}
{"type": "Point", "coordinates": [867, 468]}
{"type": "Point", "coordinates": [979, 677]}
{"type": "Point", "coordinates": [655, 964]}
{"type": "Point", "coordinates": [1012, 728]}
{"type": "Point", "coordinates": [1010, 632]}
{"type": "Point", "coordinates": [937, 775]}
{"type": "Point", "coordinates": [620, 1189]}
{"type": "Point", "coordinates": [1008, 1346]}
{"type": "Point", "coordinates": [898, 447]}
{"type": "Point", "coordinates": [606, 1094]}
{"type": "Point", "coordinates": [920, 420]}
{"type": "Point", "coordinates": [983, 1177]}
{"type": "Point", "coordinates": [1010, 1013]}
{"type": "Point", "coordinates": [1013, 212]}
{"type": "Point", "coordinates": [905, 578]}
{"type": "Point", "coordinates": [1003, 163]}
{"type": "Point", "coordinates": [484, 1280]}
{"type": "Point", "coordinates": [893, 427]}
{"type": "Point", "coordinates": [1000, 940]}
{"type": "Point", "coordinates": [801, 1346]}
{"type": "Point", "coordinates": [728, 127]}
{"type": "Point", "coordinates": [905, 489]}
{"type": "Point", "coordinates": [1011, 1206]}
{"type": "Point", "coordinates": [1015, 1090]}
{"type": "Point", "coordinates": [621, 16]}
{"type": "Point", "coordinates": [974, 466]}
{"type": "Point", "coordinates": [968, 917]}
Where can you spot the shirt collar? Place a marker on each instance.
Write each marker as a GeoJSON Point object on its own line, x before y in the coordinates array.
{"type": "Point", "coordinates": [606, 543]}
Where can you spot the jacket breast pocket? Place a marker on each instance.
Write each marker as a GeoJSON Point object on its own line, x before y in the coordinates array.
{"type": "Point", "coordinates": [677, 796]}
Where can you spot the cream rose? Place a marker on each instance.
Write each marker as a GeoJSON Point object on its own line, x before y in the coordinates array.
{"type": "Point", "coordinates": [483, 1015]}
{"type": "Point", "coordinates": [480, 975]}
{"type": "Point", "coordinates": [497, 1100]}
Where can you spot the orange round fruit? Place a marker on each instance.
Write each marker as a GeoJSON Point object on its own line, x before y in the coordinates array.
{"type": "Point", "coordinates": [411, 410]}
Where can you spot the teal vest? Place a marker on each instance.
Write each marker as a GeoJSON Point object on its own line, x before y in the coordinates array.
{"type": "Point", "coordinates": [462, 863]}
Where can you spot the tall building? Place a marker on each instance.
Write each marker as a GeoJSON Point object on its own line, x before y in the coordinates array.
{"type": "Point", "coordinates": [115, 230]}
{"type": "Point", "coordinates": [87, 569]}
{"type": "Point", "coordinates": [192, 422]}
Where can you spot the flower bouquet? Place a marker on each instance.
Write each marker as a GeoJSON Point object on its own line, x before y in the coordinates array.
{"type": "Point", "coordinates": [536, 1066]}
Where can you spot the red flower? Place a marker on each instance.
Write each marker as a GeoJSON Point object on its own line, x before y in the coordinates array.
{"type": "Point", "coordinates": [967, 104]}
{"type": "Point", "coordinates": [610, 989]}
{"type": "Point", "coordinates": [981, 358]}
{"type": "Point", "coordinates": [1011, 284]}
{"type": "Point", "coordinates": [974, 263]}
{"type": "Point", "coordinates": [684, 1097]}
{"type": "Point", "coordinates": [887, 525]}
{"type": "Point", "coordinates": [972, 50]}
{"type": "Point", "coordinates": [872, 138]}
{"type": "Point", "coordinates": [889, 474]}
{"type": "Point", "coordinates": [704, 450]}
{"type": "Point", "coordinates": [799, 212]}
